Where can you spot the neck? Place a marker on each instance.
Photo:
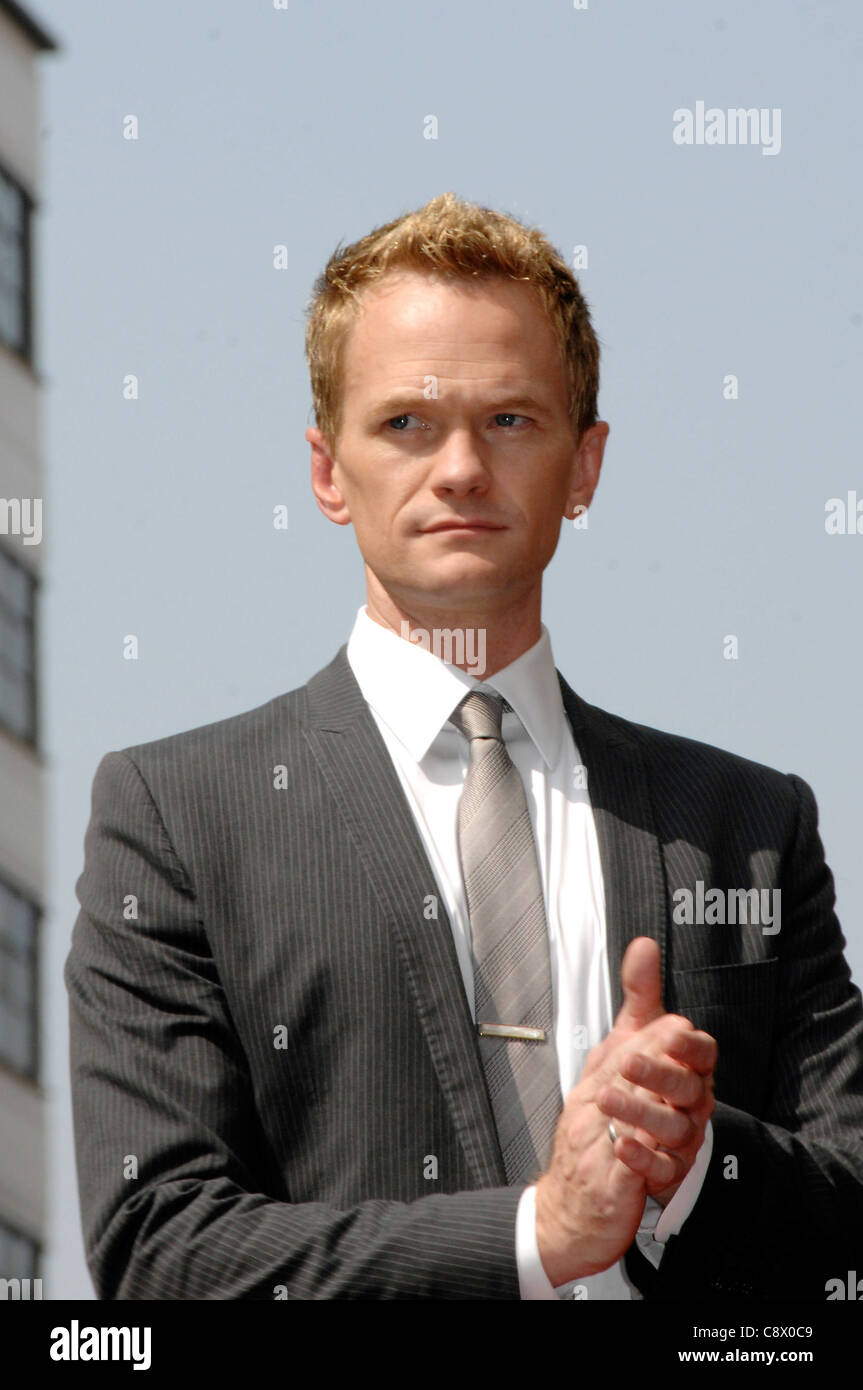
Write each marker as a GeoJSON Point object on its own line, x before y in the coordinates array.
{"type": "Point", "coordinates": [478, 640]}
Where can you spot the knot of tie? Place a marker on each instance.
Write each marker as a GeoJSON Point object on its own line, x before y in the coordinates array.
{"type": "Point", "coordinates": [479, 714]}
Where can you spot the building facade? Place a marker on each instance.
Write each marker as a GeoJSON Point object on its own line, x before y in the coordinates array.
{"type": "Point", "coordinates": [22, 774]}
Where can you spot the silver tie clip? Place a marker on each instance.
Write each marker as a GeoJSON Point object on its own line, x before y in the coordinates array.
{"type": "Point", "coordinates": [511, 1030]}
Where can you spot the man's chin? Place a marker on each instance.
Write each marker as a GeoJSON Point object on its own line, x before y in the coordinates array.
{"type": "Point", "coordinates": [459, 583]}
{"type": "Point", "coordinates": [464, 590]}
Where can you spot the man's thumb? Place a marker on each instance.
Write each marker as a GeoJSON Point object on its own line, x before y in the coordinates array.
{"type": "Point", "coordinates": [642, 984]}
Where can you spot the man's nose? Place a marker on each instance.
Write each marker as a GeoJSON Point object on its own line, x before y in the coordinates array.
{"type": "Point", "coordinates": [460, 463]}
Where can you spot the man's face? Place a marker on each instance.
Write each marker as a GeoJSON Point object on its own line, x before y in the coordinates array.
{"type": "Point", "coordinates": [454, 411]}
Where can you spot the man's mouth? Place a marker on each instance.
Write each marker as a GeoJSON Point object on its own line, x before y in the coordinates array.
{"type": "Point", "coordinates": [458, 524]}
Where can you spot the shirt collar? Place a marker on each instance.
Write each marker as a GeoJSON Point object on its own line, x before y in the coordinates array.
{"type": "Point", "coordinates": [414, 691]}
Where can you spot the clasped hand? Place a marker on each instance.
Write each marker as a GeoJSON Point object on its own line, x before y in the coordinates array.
{"type": "Point", "coordinates": [653, 1077]}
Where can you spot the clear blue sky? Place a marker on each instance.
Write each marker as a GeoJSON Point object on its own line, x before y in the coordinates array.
{"type": "Point", "coordinates": [305, 127]}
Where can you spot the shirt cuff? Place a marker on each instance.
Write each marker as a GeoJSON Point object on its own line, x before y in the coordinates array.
{"type": "Point", "coordinates": [657, 1225]}
{"type": "Point", "coordinates": [651, 1243]}
{"type": "Point", "coordinates": [533, 1282]}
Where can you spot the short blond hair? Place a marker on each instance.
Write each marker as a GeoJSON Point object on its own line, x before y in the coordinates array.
{"type": "Point", "coordinates": [463, 240]}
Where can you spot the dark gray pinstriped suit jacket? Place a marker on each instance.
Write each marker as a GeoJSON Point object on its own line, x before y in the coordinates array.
{"type": "Point", "coordinates": [303, 1168]}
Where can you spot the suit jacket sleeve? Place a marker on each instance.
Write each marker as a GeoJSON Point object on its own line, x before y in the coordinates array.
{"type": "Point", "coordinates": [173, 1192]}
{"type": "Point", "coordinates": [781, 1209]}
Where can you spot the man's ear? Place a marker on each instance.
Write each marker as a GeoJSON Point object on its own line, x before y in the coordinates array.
{"type": "Point", "coordinates": [329, 497]}
{"type": "Point", "coordinates": [587, 464]}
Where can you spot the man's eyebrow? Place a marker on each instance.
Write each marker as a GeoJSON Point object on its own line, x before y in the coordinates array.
{"type": "Point", "coordinates": [389, 405]}
{"type": "Point", "coordinates": [412, 396]}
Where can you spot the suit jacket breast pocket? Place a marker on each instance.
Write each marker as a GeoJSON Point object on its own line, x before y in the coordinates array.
{"type": "Point", "coordinates": [736, 1004]}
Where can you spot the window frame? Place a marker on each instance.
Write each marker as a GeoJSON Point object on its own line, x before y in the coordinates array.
{"type": "Point", "coordinates": [25, 349]}
{"type": "Point", "coordinates": [33, 1071]}
{"type": "Point", "coordinates": [30, 738]}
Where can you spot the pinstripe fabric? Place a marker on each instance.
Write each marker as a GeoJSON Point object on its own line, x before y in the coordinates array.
{"type": "Point", "coordinates": [276, 1084]}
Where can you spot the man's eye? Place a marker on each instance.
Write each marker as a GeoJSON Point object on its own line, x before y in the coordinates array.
{"type": "Point", "coordinates": [394, 419]}
{"type": "Point", "coordinates": [398, 422]}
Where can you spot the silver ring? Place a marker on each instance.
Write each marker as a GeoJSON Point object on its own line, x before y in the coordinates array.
{"type": "Point", "coordinates": [612, 1133]}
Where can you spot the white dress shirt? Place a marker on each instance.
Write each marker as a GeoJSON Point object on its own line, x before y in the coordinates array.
{"type": "Point", "coordinates": [412, 693]}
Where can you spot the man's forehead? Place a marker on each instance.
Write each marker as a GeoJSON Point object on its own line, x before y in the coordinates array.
{"type": "Point", "coordinates": [403, 295]}
{"type": "Point", "coordinates": [416, 321]}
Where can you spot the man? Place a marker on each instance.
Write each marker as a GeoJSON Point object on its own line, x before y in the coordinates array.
{"type": "Point", "coordinates": [404, 985]}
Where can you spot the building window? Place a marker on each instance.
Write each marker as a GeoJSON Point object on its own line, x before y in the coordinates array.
{"type": "Point", "coordinates": [15, 296]}
{"type": "Point", "coordinates": [19, 1255]}
{"type": "Point", "coordinates": [18, 981]}
{"type": "Point", "coordinates": [17, 648]}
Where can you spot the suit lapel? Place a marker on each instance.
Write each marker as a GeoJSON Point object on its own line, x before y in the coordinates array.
{"type": "Point", "coordinates": [354, 759]}
{"type": "Point", "coordinates": [629, 849]}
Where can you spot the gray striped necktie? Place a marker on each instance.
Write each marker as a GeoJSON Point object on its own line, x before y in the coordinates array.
{"type": "Point", "coordinates": [512, 971]}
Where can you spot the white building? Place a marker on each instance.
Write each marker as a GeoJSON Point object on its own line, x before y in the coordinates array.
{"type": "Point", "coordinates": [22, 838]}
